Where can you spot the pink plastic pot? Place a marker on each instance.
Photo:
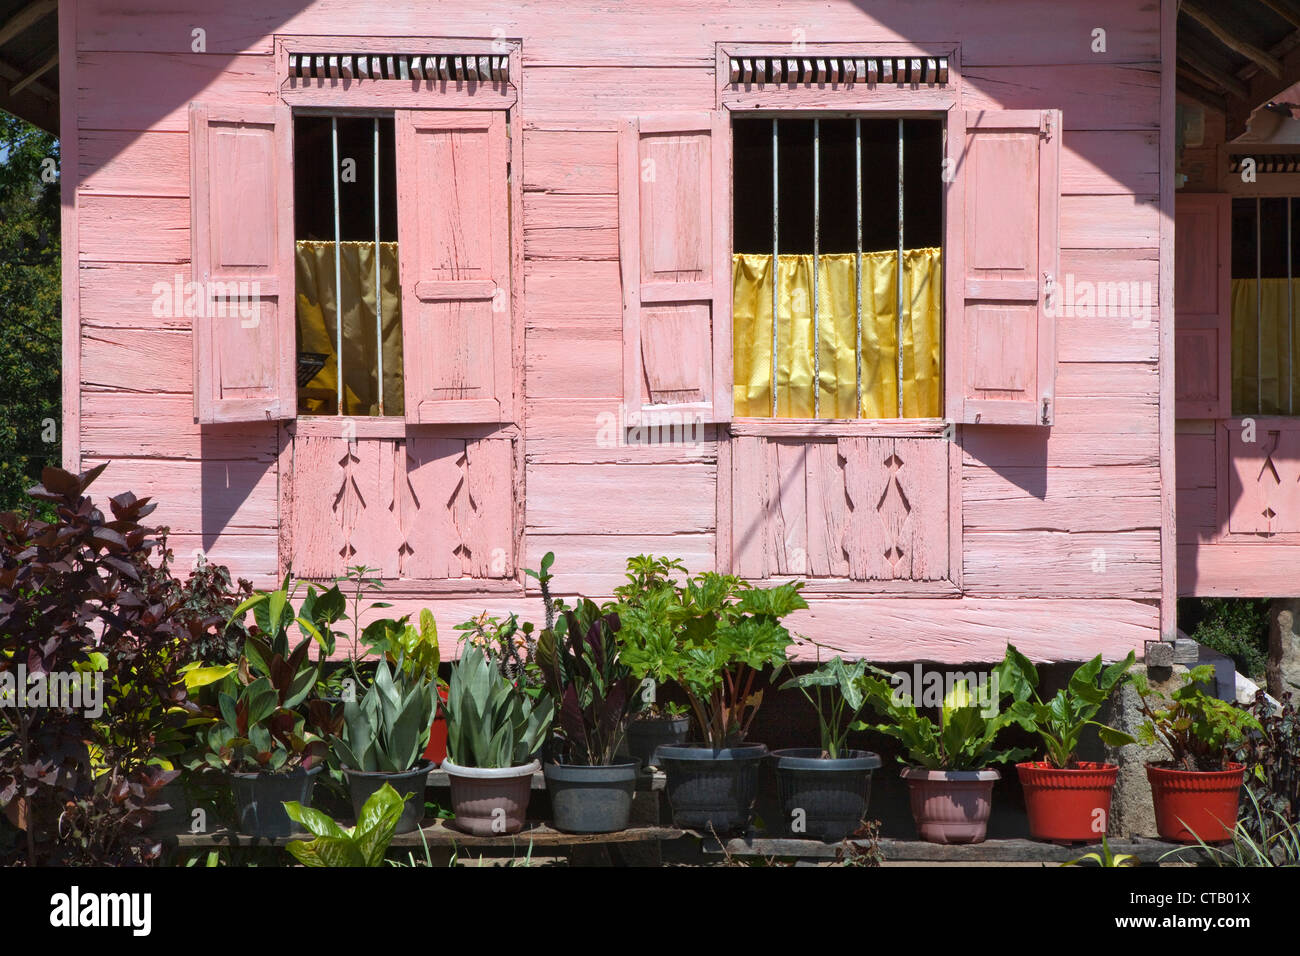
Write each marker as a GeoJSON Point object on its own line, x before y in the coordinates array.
{"type": "Point", "coordinates": [951, 806]}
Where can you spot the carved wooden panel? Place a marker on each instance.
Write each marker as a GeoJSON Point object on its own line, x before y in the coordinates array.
{"type": "Point", "coordinates": [863, 509]}
{"type": "Point", "coordinates": [414, 508]}
{"type": "Point", "coordinates": [1263, 479]}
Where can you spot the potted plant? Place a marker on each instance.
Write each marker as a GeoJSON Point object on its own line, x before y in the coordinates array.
{"type": "Point", "coordinates": [383, 741]}
{"type": "Point", "coordinates": [949, 780]}
{"type": "Point", "coordinates": [1067, 799]}
{"type": "Point", "coordinates": [594, 694]}
{"type": "Point", "coordinates": [712, 635]}
{"type": "Point", "coordinates": [824, 790]}
{"type": "Point", "coordinates": [417, 653]}
{"type": "Point", "coordinates": [493, 730]}
{"type": "Point", "coordinates": [268, 753]}
{"type": "Point", "coordinates": [1196, 791]}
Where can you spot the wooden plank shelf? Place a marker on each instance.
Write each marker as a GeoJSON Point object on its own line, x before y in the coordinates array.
{"type": "Point", "coordinates": [439, 833]}
{"type": "Point", "coordinates": [653, 780]}
{"type": "Point", "coordinates": [918, 851]}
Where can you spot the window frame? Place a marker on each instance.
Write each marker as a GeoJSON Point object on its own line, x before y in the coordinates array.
{"type": "Point", "coordinates": [861, 101]}
{"type": "Point", "coordinates": [362, 98]}
{"type": "Point", "coordinates": [876, 101]}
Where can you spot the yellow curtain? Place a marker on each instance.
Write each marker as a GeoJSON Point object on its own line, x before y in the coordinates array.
{"type": "Point", "coordinates": [317, 324]}
{"type": "Point", "coordinates": [837, 326]}
{"type": "Point", "coordinates": [1248, 359]}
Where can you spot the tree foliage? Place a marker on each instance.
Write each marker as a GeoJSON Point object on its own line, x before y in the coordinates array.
{"type": "Point", "coordinates": [30, 347]}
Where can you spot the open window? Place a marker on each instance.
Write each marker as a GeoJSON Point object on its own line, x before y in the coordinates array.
{"type": "Point", "coordinates": [1263, 296]}
{"type": "Point", "coordinates": [346, 265]}
{"type": "Point", "coordinates": [352, 263]}
{"type": "Point", "coordinates": [851, 210]}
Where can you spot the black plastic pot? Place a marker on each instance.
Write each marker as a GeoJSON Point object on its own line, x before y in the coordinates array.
{"type": "Point", "coordinates": [362, 785]}
{"type": "Point", "coordinates": [821, 798]}
{"type": "Point", "coordinates": [645, 736]}
{"type": "Point", "coordinates": [712, 789]}
{"type": "Point", "coordinates": [176, 818]}
{"type": "Point", "coordinates": [260, 799]}
{"type": "Point", "coordinates": [591, 799]}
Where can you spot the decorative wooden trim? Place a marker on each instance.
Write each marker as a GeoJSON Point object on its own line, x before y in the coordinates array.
{"type": "Point", "coordinates": [284, 491]}
{"type": "Point", "coordinates": [359, 426]}
{"type": "Point", "coordinates": [516, 120]}
{"type": "Point", "coordinates": [838, 428]}
{"type": "Point", "coordinates": [838, 76]}
{"type": "Point", "coordinates": [69, 179]}
{"type": "Point", "coordinates": [1225, 434]}
{"type": "Point", "coordinates": [325, 72]}
{"type": "Point", "coordinates": [1167, 422]}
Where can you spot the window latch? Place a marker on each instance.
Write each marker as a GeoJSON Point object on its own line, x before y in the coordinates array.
{"type": "Point", "coordinates": [1047, 411]}
{"type": "Point", "coordinates": [1045, 130]}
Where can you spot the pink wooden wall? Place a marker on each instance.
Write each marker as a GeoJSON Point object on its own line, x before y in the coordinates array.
{"type": "Point", "coordinates": [1063, 544]}
{"type": "Point", "coordinates": [1238, 500]}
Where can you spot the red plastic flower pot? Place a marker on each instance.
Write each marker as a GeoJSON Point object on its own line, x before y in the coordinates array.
{"type": "Point", "coordinates": [437, 749]}
{"type": "Point", "coordinates": [1192, 803]}
{"type": "Point", "coordinates": [1067, 805]}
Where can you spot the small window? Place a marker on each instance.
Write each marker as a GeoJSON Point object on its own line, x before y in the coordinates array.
{"type": "Point", "coordinates": [346, 264]}
{"type": "Point", "coordinates": [1265, 267]}
{"type": "Point", "coordinates": [855, 223]}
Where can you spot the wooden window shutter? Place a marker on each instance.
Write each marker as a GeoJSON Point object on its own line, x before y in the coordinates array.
{"type": "Point", "coordinates": [675, 253]}
{"type": "Point", "coordinates": [1010, 184]}
{"type": "Point", "coordinates": [244, 332]}
{"type": "Point", "coordinates": [453, 229]}
{"type": "Point", "coordinates": [1202, 305]}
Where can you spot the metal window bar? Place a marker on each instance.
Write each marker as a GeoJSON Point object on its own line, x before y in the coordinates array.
{"type": "Point", "coordinates": [817, 225]}
{"type": "Point", "coordinates": [379, 297]}
{"type": "Point", "coordinates": [338, 270]}
{"type": "Point", "coordinates": [899, 277]}
{"type": "Point", "coordinates": [857, 265]}
{"type": "Point", "coordinates": [776, 219]}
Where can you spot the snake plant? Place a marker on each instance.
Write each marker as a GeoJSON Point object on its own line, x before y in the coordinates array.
{"type": "Point", "coordinates": [387, 729]}
{"type": "Point", "coordinates": [490, 721]}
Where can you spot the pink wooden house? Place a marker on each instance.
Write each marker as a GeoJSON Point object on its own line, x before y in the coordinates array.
{"type": "Point", "coordinates": [879, 295]}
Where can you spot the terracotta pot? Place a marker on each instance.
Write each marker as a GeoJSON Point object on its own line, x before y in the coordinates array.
{"type": "Point", "coordinates": [951, 806]}
{"type": "Point", "coordinates": [490, 801]}
{"type": "Point", "coordinates": [1191, 803]}
{"type": "Point", "coordinates": [1062, 804]}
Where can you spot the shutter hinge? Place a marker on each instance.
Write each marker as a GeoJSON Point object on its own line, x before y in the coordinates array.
{"type": "Point", "coordinates": [1045, 129]}
{"type": "Point", "coordinates": [1047, 411]}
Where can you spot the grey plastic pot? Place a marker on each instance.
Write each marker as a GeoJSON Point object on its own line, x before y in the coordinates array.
{"type": "Point", "coordinates": [591, 799]}
{"type": "Point", "coordinates": [711, 789]}
{"type": "Point", "coordinates": [824, 798]}
{"type": "Point", "coordinates": [644, 737]}
{"type": "Point", "coordinates": [490, 801]}
{"type": "Point", "coordinates": [260, 799]}
{"type": "Point", "coordinates": [362, 785]}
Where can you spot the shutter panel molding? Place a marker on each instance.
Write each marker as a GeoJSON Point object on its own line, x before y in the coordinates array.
{"type": "Point", "coordinates": [1202, 305]}
{"type": "Point", "coordinates": [241, 189]}
{"type": "Point", "coordinates": [453, 230]}
{"type": "Point", "coordinates": [1009, 261]}
{"type": "Point", "coordinates": [675, 254]}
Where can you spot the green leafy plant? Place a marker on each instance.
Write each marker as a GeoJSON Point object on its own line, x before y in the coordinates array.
{"type": "Point", "coordinates": [256, 733]}
{"type": "Point", "coordinates": [835, 690]}
{"type": "Point", "coordinates": [1104, 858]}
{"type": "Point", "coordinates": [1195, 727]}
{"type": "Point", "coordinates": [490, 721]}
{"type": "Point", "coordinates": [592, 687]}
{"type": "Point", "coordinates": [362, 845]}
{"type": "Point", "coordinates": [388, 729]}
{"type": "Point", "coordinates": [964, 737]}
{"type": "Point", "coordinates": [1236, 627]}
{"type": "Point", "coordinates": [712, 635]}
{"type": "Point", "coordinates": [1061, 721]}
{"type": "Point", "coordinates": [509, 645]}
{"type": "Point", "coordinates": [413, 649]}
